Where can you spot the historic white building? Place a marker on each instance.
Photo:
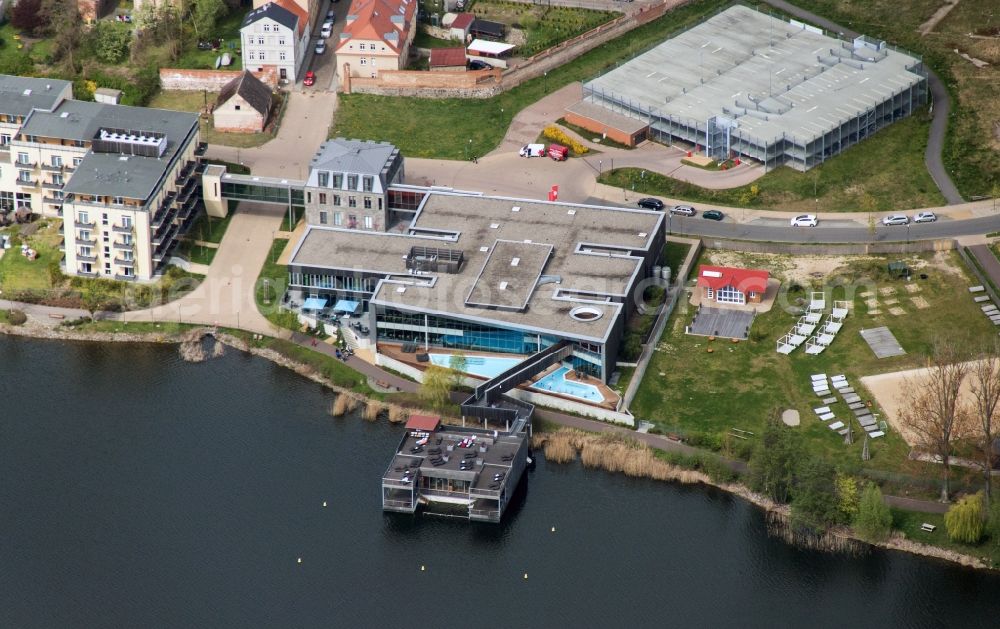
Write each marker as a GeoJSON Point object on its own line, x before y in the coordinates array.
{"type": "Point", "coordinates": [276, 35]}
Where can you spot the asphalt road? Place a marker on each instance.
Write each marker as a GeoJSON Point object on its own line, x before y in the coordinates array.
{"type": "Point", "coordinates": [828, 231]}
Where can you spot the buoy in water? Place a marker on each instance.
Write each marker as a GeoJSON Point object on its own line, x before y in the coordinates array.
{"type": "Point", "coordinates": [526, 576]}
{"type": "Point", "coordinates": [300, 560]}
{"type": "Point", "coordinates": [422, 568]}
{"type": "Point", "coordinates": [553, 529]}
{"type": "Point", "coordinates": [324, 503]}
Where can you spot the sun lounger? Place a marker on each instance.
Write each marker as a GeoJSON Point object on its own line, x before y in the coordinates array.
{"type": "Point", "coordinates": [988, 307]}
{"type": "Point", "coordinates": [836, 425]}
{"type": "Point", "coordinates": [843, 432]}
{"type": "Point", "coordinates": [927, 527]}
{"type": "Point", "coordinates": [821, 410]}
{"type": "Point", "coordinates": [858, 412]}
{"type": "Point", "coordinates": [976, 289]}
{"type": "Point", "coordinates": [813, 317]}
{"type": "Point", "coordinates": [981, 299]}
{"type": "Point", "coordinates": [856, 405]}
{"type": "Point", "coordinates": [822, 392]}
{"type": "Point", "coordinates": [845, 390]}
{"type": "Point", "coordinates": [827, 417]}
{"type": "Point", "coordinates": [877, 433]}
{"type": "Point", "coordinates": [830, 400]}
{"type": "Point", "coordinates": [832, 327]}
{"type": "Point", "coordinates": [866, 421]}
{"type": "Point", "coordinates": [839, 376]}
{"type": "Point", "coordinates": [818, 376]}
{"type": "Point", "coordinates": [851, 398]}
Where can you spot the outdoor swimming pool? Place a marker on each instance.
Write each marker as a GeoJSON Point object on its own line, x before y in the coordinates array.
{"type": "Point", "coordinates": [482, 366]}
{"type": "Point", "coordinates": [556, 382]}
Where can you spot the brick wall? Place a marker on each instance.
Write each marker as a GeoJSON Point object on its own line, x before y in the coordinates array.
{"type": "Point", "coordinates": [211, 80]}
{"type": "Point", "coordinates": [443, 84]}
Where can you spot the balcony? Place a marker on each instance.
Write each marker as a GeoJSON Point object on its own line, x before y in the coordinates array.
{"type": "Point", "coordinates": [124, 262]}
{"type": "Point", "coordinates": [121, 229]}
{"type": "Point", "coordinates": [201, 149]}
{"type": "Point", "coordinates": [82, 258]}
{"type": "Point", "coordinates": [91, 240]}
{"type": "Point", "coordinates": [27, 183]}
{"type": "Point", "coordinates": [52, 200]}
{"type": "Point", "coordinates": [52, 168]}
{"type": "Point", "coordinates": [87, 273]}
{"type": "Point", "coordinates": [123, 246]}
{"type": "Point", "coordinates": [185, 193]}
{"type": "Point", "coordinates": [162, 218]}
{"type": "Point", "coordinates": [25, 164]}
{"type": "Point", "coordinates": [84, 224]}
{"type": "Point", "coordinates": [165, 235]}
{"type": "Point", "coordinates": [124, 278]}
{"type": "Point", "coordinates": [185, 172]}
{"type": "Point", "coordinates": [49, 185]}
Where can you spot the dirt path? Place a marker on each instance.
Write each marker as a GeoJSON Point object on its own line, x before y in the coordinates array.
{"type": "Point", "coordinates": [939, 15]}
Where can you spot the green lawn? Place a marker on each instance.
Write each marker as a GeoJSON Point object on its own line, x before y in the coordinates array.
{"type": "Point", "coordinates": [443, 128]}
{"type": "Point", "coordinates": [673, 256]}
{"type": "Point", "coordinates": [228, 30]}
{"type": "Point", "coordinates": [18, 274]}
{"type": "Point", "coordinates": [423, 39]}
{"type": "Point", "coordinates": [909, 523]}
{"type": "Point", "coordinates": [195, 101]}
{"type": "Point", "coordinates": [705, 395]}
{"type": "Point", "coordinates": [889, 166]}
{"type": "Point", "coordinates": [268, 298]}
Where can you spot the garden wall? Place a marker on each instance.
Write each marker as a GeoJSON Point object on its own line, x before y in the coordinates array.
{"type": "Point", "coordinates": [443, 84]}
{"type": "Point", "coordinates": [943, 244]}
{"type": "Point", "coordinates": [211, 80]}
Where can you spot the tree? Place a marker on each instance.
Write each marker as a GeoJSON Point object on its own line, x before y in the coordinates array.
{"type": "Point", "coordinates": [985, 377]}
{"type": "Point", "coordinates": [436, 388]}
{"type": "Point", "coordinates": [204, 14]}
{"type": "Point", "coordinates": [459, 364]}
{"type": "Point", "coordinates": [869, 204]}
{"type": "Point", "coordinates": [814, 496]}
{"type": "Point", "coordinates": [772, 462]}
{"type": "Point", "coordinates": [111, 41]}
{"type": "Point", "coordinates": [847, 496]}
{"type": "Point", "coordinates": [874, 520]}
{"type": "Point", "coordinates": [964, 520]}
{"type": "Point", "coordinates": [92, 301]}
{"type": "Point", "coordinates": [63, 24]}
{"type": "Point", "coordinates": [931, 407]}
{"type": "Point", "coordinates": [993, 523]}
{"type": "Point", "coordinates": [28, 16]}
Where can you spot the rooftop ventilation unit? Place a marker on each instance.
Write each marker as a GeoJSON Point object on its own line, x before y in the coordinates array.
{"type": "Point", "coordinates": [515, 261]}
{"type": "Point", "coordinates": [130, 142]}
{"type": "Point", "coordinates": [503, 285]}
{"type": "Point", "coordinates": [516, 208]}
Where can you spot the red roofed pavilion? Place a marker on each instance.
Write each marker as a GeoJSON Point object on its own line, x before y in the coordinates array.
{"type": "Point", "coordinates": [425, 423]}
{"type": "Point", "coordinates": [729, 285]}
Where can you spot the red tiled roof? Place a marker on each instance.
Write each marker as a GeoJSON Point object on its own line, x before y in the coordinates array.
{"type": "Point", "coordinates": [447, 57]}
{"type": "Point", "coordinates": [372, 21]}
{"type": "Point", "coordinates": [463, 20]}
{"type": "Point", "coordinates": [743, 280]}
{"type": "Point", "coordinates": [423, 422]}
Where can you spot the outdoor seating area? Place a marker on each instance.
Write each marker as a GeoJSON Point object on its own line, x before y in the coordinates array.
{"type": "Point", "coordinates": [812, 330]}
{"type": "Point", "coordinates": [824, 386]}
{"type": "Point", "coordinates": [986, 304]}
{"type": "Point", "coordinates": [721, 322]}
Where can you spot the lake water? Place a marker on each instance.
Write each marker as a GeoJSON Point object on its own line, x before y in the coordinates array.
{"type": "Point", "coordinates": [140, 491]}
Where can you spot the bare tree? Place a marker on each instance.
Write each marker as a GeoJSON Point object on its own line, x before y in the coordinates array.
{"type": "Point", "coordinates": [932, 409]}
{"type": "Point", "coordinates": [985, 377]}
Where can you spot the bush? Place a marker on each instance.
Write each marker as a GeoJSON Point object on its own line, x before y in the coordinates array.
{"type": "Point", "coordinates": [874, 520]}
{"type": "Point", "coordinates": [964, 520]}
{"type": "Point", "coordinates": [17, 317]}
{"type": "Point", "coordinates": [558, 136]}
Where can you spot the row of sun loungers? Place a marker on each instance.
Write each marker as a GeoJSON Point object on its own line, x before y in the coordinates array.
{"type": "Point", "coordinates": [811, 330]}
{"type": "Point", "coordinates": [822, 386]}
{"type": "Point", "coordinates": [987, 306]}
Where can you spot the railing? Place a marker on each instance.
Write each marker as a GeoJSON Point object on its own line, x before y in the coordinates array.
{"type": "Point", "coordinates": [487, 514]}
{"type": "Point", "coordinates": [124, 262]}
{"type": "Point", "coordinates": [52, 168]}
{"type": "Point", "coordinates": [21, 181]}
{"type": "Point", "coordinates": [90, 240]}
{"type": "Point", "coordinates": [121, 229]}
{"type": "Point", "coordinates": [399, 504]}
{"type": "Point", "coordinates": [52, 200]}
{"type": "Point", "coordinates": [124, 278]}
{"type": "Point", "coordinates": [84, 224]}
{"type": "Point", "coordinates": [443, 493]}
{"type": "Point", "coordinates": [83, 258]}
{"type": "Point", "coordinates": [51, 185]}
{"type": "Point", "coordinates": [123, 246]}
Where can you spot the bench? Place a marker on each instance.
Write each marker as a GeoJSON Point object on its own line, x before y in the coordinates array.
{"type": "Point", "coordinates": [927, 528]}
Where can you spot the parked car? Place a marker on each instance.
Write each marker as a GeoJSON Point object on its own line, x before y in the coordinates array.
{"type": "Point", "coordinates": [683, 210]}
{"type": "Point", "coordinates": [895, 219]}
{"type": "Point", "coordinates": [476, 64]}
{"type": "Point", "coordinates": [310, 79]}
{"type": "Point", "coordinates": [650, 203]}
{"type": "Point", "coordinates": [327, 30]}
{"type": "Point", "coordinates": [805, 220]}
{"type": "Point", "coordinates": [331, 13]}
{"type": "Point", "coordinates": [925, 217]}
{"type": "Point", "coordinates": [320, 46]}
{"type": "Point", "coordinates": [713, 215]}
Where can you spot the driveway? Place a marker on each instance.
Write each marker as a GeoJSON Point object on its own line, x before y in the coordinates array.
{"type": "Point", "coordinates": [226, 296]}
{"type": "Point", "coordinates": [304, 127]}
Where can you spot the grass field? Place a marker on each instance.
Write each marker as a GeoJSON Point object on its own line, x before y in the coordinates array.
{"type": "Point", "coordinates": [443, 128]}
{"type": "Point", "coordinates": [888, 166]}
{"type": "Point", "coordinates": [228, 30]}
{"type": "Point", "coordinates": [17, 273]}
{"type": "Point", "coordinates": [909, 523]}
{"type": "Point", "coordinates": [705, 395]}
{"type": "Point", "coordinates": [424, 40]}
{"type": "Point", "coordinates": [972, 141]}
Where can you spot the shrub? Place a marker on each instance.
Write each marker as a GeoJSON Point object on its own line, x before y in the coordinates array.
{"type": "Point", "coordinates": [559, 136]}
{"type": "Point", "coordinates": [17, 317]}
{"type": "Point", "coordinates": [874, 520]}
{"type": "Point", "coordinates": [964, 520]}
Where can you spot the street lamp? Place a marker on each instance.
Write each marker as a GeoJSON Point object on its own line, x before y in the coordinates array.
{"type": "Point", "coordinates": [468, 147]}
{"type": "Point", "coordinates": [545, 80]}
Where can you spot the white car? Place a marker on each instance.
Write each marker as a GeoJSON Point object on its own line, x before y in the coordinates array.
{"type": "Point", "coordinates": [320, 46]}
{"type": "Point", "coordinates": [895, 219]}
{"type": "Point", "coordinates": [327, 30]}
{"type": "Point", "coordinates": [805, 220]}
{"type": "Point", "coordinates": [925, 217]}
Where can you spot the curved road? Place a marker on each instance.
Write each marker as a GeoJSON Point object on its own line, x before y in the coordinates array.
{"type": "Point", "coordinates": [941, 106]}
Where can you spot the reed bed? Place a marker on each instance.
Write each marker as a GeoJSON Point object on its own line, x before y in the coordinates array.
{"type": "Point", "coordinates": [373, 408]}
{"type": "Point", "coordinates": [398, 414]}
{"type": "Point", "coordinates": [218, 350]}
{"type": "Point", "coordinates": [192, 351]}
{"type": "Point", "coordinates": [344, 404]}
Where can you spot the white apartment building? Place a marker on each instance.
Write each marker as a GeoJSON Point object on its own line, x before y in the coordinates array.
{"type": "Point", "coordinates": [124, 179]}
{"type": "Point", "coordinates": [276, 35]}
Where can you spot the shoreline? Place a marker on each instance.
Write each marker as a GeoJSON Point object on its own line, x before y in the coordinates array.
{"type": "Point", "coordinates": [668, 472]}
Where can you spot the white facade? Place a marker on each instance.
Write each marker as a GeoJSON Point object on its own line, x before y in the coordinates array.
{"type": "Point", "coordinates": [267, 42]}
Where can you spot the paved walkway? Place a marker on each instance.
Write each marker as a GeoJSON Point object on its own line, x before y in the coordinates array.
{"type": "Point", "coordinates": [304, 127]}
{"type": "Point", "coordinates": [47, 315]}
{"type": "Point", "coordinates": [226, 295]}
{"type": "Point", "coordinates": [984, 255]}
{"type": "Point", "coordinates": [941, 106]}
